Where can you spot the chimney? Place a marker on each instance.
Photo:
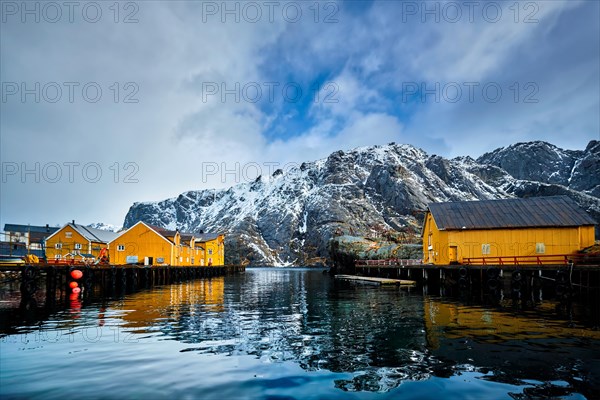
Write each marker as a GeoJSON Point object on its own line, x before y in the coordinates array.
{"type": "Point", "coordinates": [47, 228]}
{"type": "Point", "coordinates": [73, 222]}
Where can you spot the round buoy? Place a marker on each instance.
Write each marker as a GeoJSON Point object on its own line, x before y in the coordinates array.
{"type": "Point", "coordinates": [76, 290]}
{"type": "Point", "coordinates": [76, 274]}
{"type": "Point", "coordinates": [73, 285]}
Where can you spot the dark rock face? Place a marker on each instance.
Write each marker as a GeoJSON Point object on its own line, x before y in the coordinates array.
{"type": "Point", "coordinates": [585, 175]}
{"type": "Point", "coordinates": [546, 163]}
{"type": "Point", "coordinates": [289, 218]}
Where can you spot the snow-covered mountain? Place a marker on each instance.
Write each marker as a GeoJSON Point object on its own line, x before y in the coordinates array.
{"type": "Point", "coordinates": [543, 162]}
{"type": "Point", "coordinates": [288, 218]}
{"type": "Point", "coordinates": [104, 227]}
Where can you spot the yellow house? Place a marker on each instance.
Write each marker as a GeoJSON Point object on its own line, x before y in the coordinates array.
{"type": "Point", "coordinates": [537, 226]}
{"type": "Point", "coordinates": [151, 245]}
{"type": "Point", "coordinates": [76, 241]}
{"type": "Point", "coordinates": [212, 248]}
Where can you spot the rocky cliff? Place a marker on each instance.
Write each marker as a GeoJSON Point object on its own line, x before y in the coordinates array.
{"type": "Point", "coordinates": [289, 218]}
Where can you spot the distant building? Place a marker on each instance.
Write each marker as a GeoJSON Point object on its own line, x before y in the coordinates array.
{"type": "Point", "coordinates": [19, 240]}
{"type": "Point", "coordinates": [73, 240]}
{"type": "Point", "coordinates": [152, 245]}
{"type": "Point", "coordinates": [533, 226]}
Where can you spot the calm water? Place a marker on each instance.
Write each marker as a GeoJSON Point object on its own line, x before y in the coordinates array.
{"type": "Point", "coordinates": [283, 334]}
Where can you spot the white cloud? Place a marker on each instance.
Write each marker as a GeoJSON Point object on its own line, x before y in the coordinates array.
{"type": "Point", "coordinates": [172, 130]}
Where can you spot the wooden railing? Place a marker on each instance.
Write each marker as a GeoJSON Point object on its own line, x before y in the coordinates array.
{"type": "Point", "coordinates": [559, 259]}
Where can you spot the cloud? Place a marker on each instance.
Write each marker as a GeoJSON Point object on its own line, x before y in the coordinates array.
{"type": "Point", "coordinates": [363, 58]}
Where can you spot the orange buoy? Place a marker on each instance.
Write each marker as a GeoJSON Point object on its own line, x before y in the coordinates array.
{"type": "Point", "coordinates": [73, 285]}
{"type": "Point", "coordinates": [76, 290]}
{"type": "Point", "coordinates": [76, 274]}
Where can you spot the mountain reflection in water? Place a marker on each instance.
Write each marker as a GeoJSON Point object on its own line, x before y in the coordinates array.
{"type": "Point", "coordinates": [379, 337]}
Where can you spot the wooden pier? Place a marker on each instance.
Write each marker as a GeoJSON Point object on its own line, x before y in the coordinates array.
{"type": "Point", "coordinates": [57, 280]}
{"type": "Point", "coordinates": [567, 273]}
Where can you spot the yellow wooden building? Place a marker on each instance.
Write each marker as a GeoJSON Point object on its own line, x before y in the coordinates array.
{"type": "Point", "coordinates": [75, 241]}
{"type": "Point", "coordinates": [537, 226]}
{"type": "Point", "coordinates": [152, 245]}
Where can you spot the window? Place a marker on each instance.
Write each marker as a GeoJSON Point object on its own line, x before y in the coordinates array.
{"type": "Point", "coordinates": [181, 259]}
{"type": "Point", "coordinates": [485, 248]}
{"type": "Point", "coordinates": [58, 246]}
{"type": "Point", "coordinates": [77, 246]}
{"type": "Point", "coordinates": [57, 257]}
{"type": "Point", "coordinates": [68, 235]}
{"type": "Point", "coordinates": [121, 247]}
{"type": "Point", "coordinates": [210, 252]}
{"type": "Point", "coordinates": [192, 260]}
{"type": "Point", "coordinates": [540, 248]}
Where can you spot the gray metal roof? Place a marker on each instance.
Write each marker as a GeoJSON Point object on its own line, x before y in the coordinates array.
{"type": "Point", "coordinates": [554, 211]}
{"type": "Point", "coordinates": [29, 228]}
{"type": "Point", "coordinates": [93, 234]}
{"type": "Point", "coordinates": [185, 236]}
{"type": "Point", "coordinates": [205, 237]}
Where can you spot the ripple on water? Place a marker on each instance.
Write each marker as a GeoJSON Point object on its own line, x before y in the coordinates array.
{"type": "Point", "coordinates": [297, 334]}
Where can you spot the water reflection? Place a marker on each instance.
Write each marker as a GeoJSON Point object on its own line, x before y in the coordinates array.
{"type": "Point", "coordinates": [374, 338]}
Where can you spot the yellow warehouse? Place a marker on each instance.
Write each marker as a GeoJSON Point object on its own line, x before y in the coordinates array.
{"type": "Point", "coordinates": [77, 240]}
{"type": "Point", "coordinates": [152, 245]}
{"type": "Point", "coordinates": [453, 232]}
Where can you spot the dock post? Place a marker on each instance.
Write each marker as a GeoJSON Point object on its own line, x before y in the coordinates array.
{"type": "Point", "coordinates": [28, 281]}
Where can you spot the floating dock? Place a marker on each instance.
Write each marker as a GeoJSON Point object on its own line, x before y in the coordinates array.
{"type": "Point", "coordinates": [381, 281]}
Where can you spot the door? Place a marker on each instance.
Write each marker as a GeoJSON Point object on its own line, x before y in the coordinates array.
{"type": "Point", "coordinates": [453, 254]}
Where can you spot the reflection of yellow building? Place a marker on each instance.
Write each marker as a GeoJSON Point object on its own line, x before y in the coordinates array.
{"type": "Point", "coordinates": [151, 245]}
{"type": "Point", "coordinates": [454, 321]}
{"type": "Point", "coordinates": [537, 226]}
{"type": "Point", "coordinates": [146, 308]}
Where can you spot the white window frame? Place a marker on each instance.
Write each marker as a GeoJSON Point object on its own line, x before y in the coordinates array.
{"type": "Point", "coordinates": [485, 249]}
{"type": "Point", "coordinates": [57, 257]}
{"type": "Point", "coordinates": [77, 246]}
{"type": "Point", "coordinates": [68, 235]}
{"type": "Point", "coordinates": [540, 248]}
{"type": "Point", "coordinates": [121, 247]}
{"type": "Point", "coordinates": [58, 246]}
{"type": "Point", "coordinates": [210, 252]}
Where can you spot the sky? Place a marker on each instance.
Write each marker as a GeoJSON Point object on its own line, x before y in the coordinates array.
{"type": "Point", "coordinates": [109, 103]}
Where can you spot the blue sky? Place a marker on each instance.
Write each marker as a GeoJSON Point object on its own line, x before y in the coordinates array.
{"type": "Point", "coordinates": [454, 78]}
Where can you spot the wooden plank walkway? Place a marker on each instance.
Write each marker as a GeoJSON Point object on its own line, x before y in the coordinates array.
{"type": "Point", "coordinates": [381, 281]}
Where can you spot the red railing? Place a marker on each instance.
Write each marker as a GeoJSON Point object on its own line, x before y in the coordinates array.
{"type": "Point", "coordinates": [390, 262]}
{"type": "Point", "coordinates": [558, 259]}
